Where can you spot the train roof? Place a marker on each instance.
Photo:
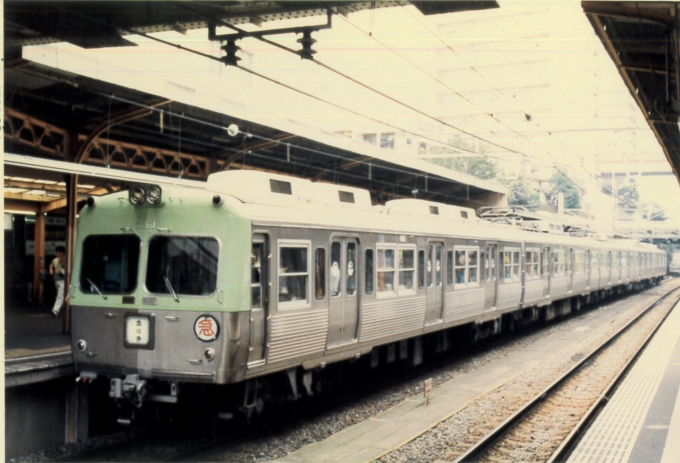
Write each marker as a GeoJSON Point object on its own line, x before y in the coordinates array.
{"type": "Point", "coordinates": [274, 199]}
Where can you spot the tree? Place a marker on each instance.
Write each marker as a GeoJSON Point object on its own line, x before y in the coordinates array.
{"type": "Point", "coordinates": [520, 192]}
{"type": "Point", "coordinates": [563, 184]}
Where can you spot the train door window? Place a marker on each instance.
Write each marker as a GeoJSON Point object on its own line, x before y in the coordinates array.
{"type": "Point", "coordinates": [182, 265]}
{"type": "Point", "coordinates": [336, 262]}
{"type": "Point", "coordinates": [369, 271]}
{"type": "Point", "coordinates": [256, 275]}
{"type": "Point", "coordinates": [386, 271]}
{"type": "Point", "coordinates": [421, 269]}
{"type": "Point", "coordinates": [438, 265]}
{"type": "Point", "coordinates": [320, 273]}
{"type": "Point", "coordinates": [429, 266]}
{"type": "Point", "coordinates": [350, 271]}
{"type": "Point", "coordinates": [568, 260]}
{"type": "Point", "coordinates": [545, 262]}
{"type": "Point", "coordinates": [293, 275]}
{"type": "Point", "coordinates": [579, 262]}
{"type": "Point", "coordinates": [516, 263]}
{"type": "Point", "coordinates": [407, 270]}
{"type": "Point", "coordinates": [624, 260]}
{"type": "Point", "coordinates": [559, 262]}
{"type": "Point", "coordinates": [491, 267]}
{"type": "Point", "coordinates": [449, 268]}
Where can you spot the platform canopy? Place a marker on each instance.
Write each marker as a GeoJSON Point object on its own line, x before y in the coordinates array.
{"type": "Point", "coordinates": [643, 42]}
{"type": "Point", "coordinates": [65, 116]}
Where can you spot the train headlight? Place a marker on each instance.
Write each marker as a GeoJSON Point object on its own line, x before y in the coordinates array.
{"type": "Point", "coordinates": [154, 195]}
{"type": "Point", "coordinates": [137, 195]}
{"type": "Point", "coordinates": [81, 345]}
{"type": "Point", "coordinates": [209, 354]}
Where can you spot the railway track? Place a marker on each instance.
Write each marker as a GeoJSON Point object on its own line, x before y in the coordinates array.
{"type": "Point", "coordinates": [546, 428]}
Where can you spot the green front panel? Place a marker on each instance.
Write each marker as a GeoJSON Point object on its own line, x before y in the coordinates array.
{"type": "Point", "coordinates": [182, 215]}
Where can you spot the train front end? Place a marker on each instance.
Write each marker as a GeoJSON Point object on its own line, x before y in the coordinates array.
{"type": "Point", "coordinates": [160, 291]}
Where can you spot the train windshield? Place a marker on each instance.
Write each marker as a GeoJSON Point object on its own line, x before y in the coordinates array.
{"type": "Point", "coordinates": [182, 265]}
{"type": "Point", "coordinates": [110, 263]}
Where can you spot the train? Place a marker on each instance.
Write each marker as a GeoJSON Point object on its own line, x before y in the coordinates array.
{"type": "Point", "coordinates": [261, 279]}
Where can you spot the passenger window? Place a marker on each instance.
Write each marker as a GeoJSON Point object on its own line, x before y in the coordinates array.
{"type": "Point", "coordinates": [293, 274]}
{"type": "Point", "coordinates": [449, 268]}
{"type": "Point", "coordinates": [369, 271]}
{"type": "Point", "coordinates": [421, 269]}
{"type": "Point", "coordinates": [335, 269]}
{"type": "Point", "coordinates": [473, 266]}
{"type": "Point", "coordinates": [351, 268]}
{"type": "Point", "coordinates": [407, 268]}
{"type": "Point", "coordinates": [386, 270]}
{"type": "Point", "coordinates": [460, 267]}
{"type": "Point", "coordinates": [320, 273]}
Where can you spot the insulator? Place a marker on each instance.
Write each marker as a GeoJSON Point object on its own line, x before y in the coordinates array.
{"type": "Point", "coordinates": [231, 48]}
{"type": "Point", "coordinates": [306, 41]}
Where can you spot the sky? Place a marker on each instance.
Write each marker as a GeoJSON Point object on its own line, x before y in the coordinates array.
{"type": "Point", "coordinates": [531, 80]}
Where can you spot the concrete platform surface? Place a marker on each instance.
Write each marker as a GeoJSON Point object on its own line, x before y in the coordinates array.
{"type": "Point", "coordinates": [641, 422]}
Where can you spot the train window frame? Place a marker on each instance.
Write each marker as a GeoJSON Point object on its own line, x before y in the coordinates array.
{"type": "Point", "coordinates": [531, 263]}
{"type": "Point", "coordinates": [141, 259]}
{"type": "Point", "coordinates": [183, 235]}
{"type": "Point", "coordinates": [298, 303]}
{"type": "Point", "coordinates": [514, 263]}
{"type": "Point", "coordinates": [413, 270]}
{"type": "Point", "coordinates": [381, 291]}
{"type": "Point", "coordinates": [470, 269]}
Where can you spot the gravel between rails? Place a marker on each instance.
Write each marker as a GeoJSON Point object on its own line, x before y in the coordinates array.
{"type": "Point", "coordinates": [437, 443]}
{"type": "Point", "coordinates": [452, 437]}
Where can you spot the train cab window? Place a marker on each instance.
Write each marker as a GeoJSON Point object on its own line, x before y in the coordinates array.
{"type": "Point", "coordinates": [110, 263]}
{"type": "Point", "coordinates": [320, 273]}
{"type": "Point", "coordinates": [336, 262]}
{"type": "Point", "coordinates": [421, 269]}
{"type": "Point", "coordinates": [256, 275]}
{"type": "Point", "coordinates": [293, 277]}
{"type": "Point", "coordinates": [449, 268]}
{"type": "Point", "coordinates": [386, 270]}
{"type": "Point", "coordinates": [369, 271]}
{"type": "Point", "coordinates": [407, 269]}
{"type": "Point", "coordinates": [182, 265]}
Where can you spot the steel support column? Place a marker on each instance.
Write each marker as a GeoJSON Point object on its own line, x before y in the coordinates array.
{"type": "Point", "coordinates": [39, 259]}
{"type": "Point", "coordinates": [71, 211]}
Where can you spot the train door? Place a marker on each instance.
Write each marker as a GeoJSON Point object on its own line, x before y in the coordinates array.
{"type": "Point", "coordinates": [344, 291]}
{"type": "Point", "coordinates": [259, 266]}
{"type": "Point", "coordinates": [491, 274]}
{"type": "Point", "coordinates": [435, 286]}
{"type": "Point", "coordinates": [546, 264]}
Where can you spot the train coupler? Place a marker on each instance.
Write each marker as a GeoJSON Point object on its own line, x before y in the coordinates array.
{"type": "Point", "coordinates": [132, 388]}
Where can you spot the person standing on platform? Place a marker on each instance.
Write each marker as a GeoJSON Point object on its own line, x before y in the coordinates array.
{"type": "Point", "coordinates": [58, 272]}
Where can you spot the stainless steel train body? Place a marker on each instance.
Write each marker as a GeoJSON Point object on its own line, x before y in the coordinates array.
{"type": "Point", "coordinates": [262, 273]}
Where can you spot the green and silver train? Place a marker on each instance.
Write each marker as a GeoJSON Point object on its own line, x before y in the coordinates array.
{"type": "Point", "coordinates": [264, 278]}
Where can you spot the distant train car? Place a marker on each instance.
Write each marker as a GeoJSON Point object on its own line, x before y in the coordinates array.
{"type": "Point", "coordinates": [262, 279]}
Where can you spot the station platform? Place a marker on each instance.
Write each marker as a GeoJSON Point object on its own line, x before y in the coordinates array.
{"type": "Point", "coordinates": [35, 348]}
{"type": "Point", "coordinates": [369, 440]}
{"type": "Point", "coordinates": [641, 421]}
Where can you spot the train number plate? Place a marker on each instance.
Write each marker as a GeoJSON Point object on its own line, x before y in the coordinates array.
{"type": "Point", "coordinates": [137, 331]}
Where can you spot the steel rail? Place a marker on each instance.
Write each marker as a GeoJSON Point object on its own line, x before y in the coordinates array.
{"type": "Point", "coordinates": [478, 449]}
